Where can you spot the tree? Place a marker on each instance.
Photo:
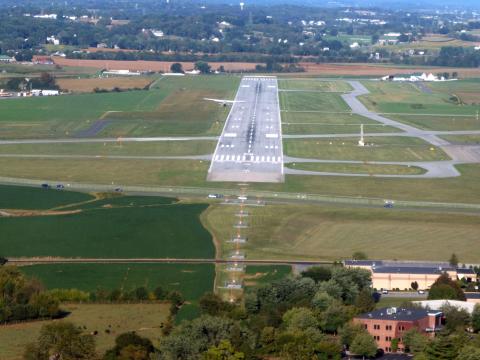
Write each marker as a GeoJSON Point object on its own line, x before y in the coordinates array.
{"type": "Point", "coordinates": [445, 288]}
{"type": "Point", "coordinates": [348, 332]}
{"type": "Point", "coordinates": [394, 344]}
{"type": "Point", "coordinates": [62, 340]}
{"type": "Point", "coordinates": [321, 301]}
{"type": "Point", "coordinates": [359, 255]}
{"type": "Point", "coordinates": [455, 318]}
{"type": "Point", "coordinates": [224, 351]}
{"type": "Point", "coordinates": [299, 319]}
{"type": "Point", "coordinates": [176, 68]}
{"type": "Point", "coordinates": [469, 353]}
{"type": "Point", "coordinates": [3, 260]}
{"type": "Point", "coordinates": [203, 67]}
{"type": "Point", "coordinates": [364, 301]}
{"type": "Point", "coordinates": [445, 346]}
{"type": "Point", "coordinates": [159, 293]}
{"type": "Point", "coordinates": [130, 346]}
{"type": "Point", "coordinates": [141, 293]}
{"type": "Point", "coordinates": [453, 260]}
{"type": "Point", "coordinates": [364, 345]}
{"type": "Point", "coordinates": [476, 318]}
{"type": "Point", "coordinates": [317, 273]}
{"type": "Point", "coordinates": [414, 285]}
{"type": "Point", "coordinates": [414, 341]}
{"type": "Point", "coordinates": [335, 317]}
{"type": "Point", "coordinates": [212, 304]}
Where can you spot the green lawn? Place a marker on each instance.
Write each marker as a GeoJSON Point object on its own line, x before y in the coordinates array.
{"type": "Point", "coordinates": [19, 197]}
{"type": "Point", "coordinates": [160, 148]}
{"type": "Point", "coordinates": [378, 149]}
{"type": "Point", "coordinates": [316, 232]}
{"type": "Point", "coordinates": [440, 123]}
{"type": "Point", "coordinates": [264, 274]}
{"type": "Point", "coordinates": [107, 319]}
{"type": "Point", "coordinates": [359, 168]}
{"type": "Point", "coordinates": [312, 101]}
{"type": "Point", "coordinates": [174, 106]}
{"type": "Point", "coordinates": [328, 123]}
{"type": "Point", "coordinates": [315, 85]}
{"type": "Point", "coordinates": [394, 301]}
{"type": "Point", "coordinates": [394, 97]}
{"type": "Point", "coordinates": [463, 139]}
{"type": "Point", "coordinates": [131, 231]}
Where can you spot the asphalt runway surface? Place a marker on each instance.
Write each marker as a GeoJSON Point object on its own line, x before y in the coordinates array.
{"type": "Point", "coordinates": [250, 146]}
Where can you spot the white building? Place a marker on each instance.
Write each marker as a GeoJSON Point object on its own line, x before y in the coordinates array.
{"type": "Point", "coordinates": [39, 92]}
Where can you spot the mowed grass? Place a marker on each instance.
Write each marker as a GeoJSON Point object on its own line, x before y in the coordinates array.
{"type": "Point", "coordinates": [307, 232]}
{"type": "Point", "coordinates": [107, 319]}
{"type": "Point", "coordinates": [20, 197]}
{"type": "Point", "coordinates": [312, 101]}
{"type": "Point", "coordinates": [192, 280]}
{"type": "Point", "coordinates": [314, 85]}
{"type": "Point", "coordinates": [377, 149]}
{"type": "Point", "coordinates": [370, 169]}
{"type": "Point", "coordinates": [463, 139]}
{"type": "Point", "coordinates": [440, 123]}
{"type": "Point", "coordinates": [256, 275]}
{"type": "Point", "coordinates": [132, 231]}
{"type": "Point", "coordinates": [466, 90]}
{"type": "Point", "coordinates": [173, 106]}
{"type": "Point", "coordinates": [328, 123]}
{"type": "Point", "coordinates": [160, 148]}
{"type": "Point", "coordinates": [388, 301]}
{"type": "Point", "coordinates": [395, 97]}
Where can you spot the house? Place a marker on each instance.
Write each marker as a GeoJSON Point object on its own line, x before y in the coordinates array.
{"type": "Point", "coordinates": [42, 60]}
{"type": "Point", "coordinates": [7, 59]}
{"type": "Point", "coordinates": [38, 92]}
{"type": "Point", "coordinates": [387, 324]}
{"type": "Point", "coordinates": [401, 274]}
{"type": "Point", "coordinates": [53, 40]}
{"type": "Point", "coordinates": [473, 298]}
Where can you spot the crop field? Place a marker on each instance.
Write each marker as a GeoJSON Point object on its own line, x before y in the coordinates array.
{"type": "Point", "coordinates": [314, 85]}
{"type": "Point", "coordinates": [119, 148]}
{"type": "Point", "coordinates": [312, 101]}
{"type": "Point", "coordinates": [406, 98]}
{"type": "Point", "coordinates": [329, 123]}
{"type": "Point", "coordinates": [107, 319]}
{"type": "Point", "coordinates": [378, 149]}
{"type": "Point", "coordinates": [294, 231]}
{"type": "Point", "coordinates": [359, 168]}
{"type": "Point", "coordinates": [192, 280]}
{"type": "Point", "coordinates": [132, 230]}
{"type": "Point", "coordinates": [90, 84]}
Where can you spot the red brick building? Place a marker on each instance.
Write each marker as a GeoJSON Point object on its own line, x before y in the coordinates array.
{"type": "Point", "coordinates": [388, 324]}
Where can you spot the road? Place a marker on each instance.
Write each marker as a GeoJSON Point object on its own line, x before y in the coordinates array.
{"type": "Point", "coordinates": [250, 146]}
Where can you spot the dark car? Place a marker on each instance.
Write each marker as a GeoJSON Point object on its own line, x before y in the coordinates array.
{"type": "Point", "coordinates": [60, 187]}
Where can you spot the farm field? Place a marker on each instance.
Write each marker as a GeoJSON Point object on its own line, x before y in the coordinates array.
{"type": "Point", "coordinates": [295, 231]}
{"type": "Point", "coordinates": [192, 280]}
{"type": "Point", "coordinates": [160, 148]}
{"type": "Point", "coordinates": [329, 123]}
{"type": "Point", "coordinates": [145, 319]}
{"type": "Point", "coordinates": [314, 85]}
{"type": "Point", "coordinates": [131, 230]}
{"type": "Point", "coordinates": [90, 84]}
{"type": "Point", "coordinates": [359, 168]}
{"type": "Point", "coordinates": [378, 149]}
{"type": "Point", "coordinates": [406, 98]}
{"type": "Point", "coordinates": [312, 101]}
{"type": "Point", "coordinates": [20, 197]}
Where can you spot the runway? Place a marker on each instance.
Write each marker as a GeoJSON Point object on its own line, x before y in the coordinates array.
{"type": "Point", "coordinates": [250, 146]}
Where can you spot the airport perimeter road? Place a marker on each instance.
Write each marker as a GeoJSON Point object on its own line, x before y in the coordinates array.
{"type": "Point", "coordinates": [250, 147]}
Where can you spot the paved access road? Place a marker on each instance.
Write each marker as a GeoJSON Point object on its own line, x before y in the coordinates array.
{"type": "Point", "coordinates": [250, 146]}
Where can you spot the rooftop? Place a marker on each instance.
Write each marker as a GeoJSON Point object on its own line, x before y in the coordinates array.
{"type": "Point", "coordinates": [408, 270]}
{"type": "Point", "coordinates": [398, 314]}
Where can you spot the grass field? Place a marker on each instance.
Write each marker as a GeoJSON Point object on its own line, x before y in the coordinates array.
{"type": "Point", "coordinates": [314, 85]}
{"type": "Point", "coordinates": [127, 231]}
{"type": "Point", "coordinates": [256, 275]}
{"type": "Point", "coordinates": [394, 97]}
{"type": "Point", "coordinates": [359, 168]}
{"type": "Point", "coordinates": [289, 231]}
{"type": "Point", "coordinates": [312, 101]}
{"type": "Point", "coordinates": [463, 139]}
{"type": "Point", "coordinates": [329, 123]}
{"type": "Point", "coordinates": [379, 149]}
{"type": "Point", "coordinates": [174, 106]}
{"type": "Point", "coordinates": [165, 148]}
{"type": "Point", "coordinates": [90, 84]}
{"type": "Point", "coordinates": [145, 319]}
{"type": "Point", "coordinates": [437, 122]}
{"type": "Point", "coordinates": [394, 301]}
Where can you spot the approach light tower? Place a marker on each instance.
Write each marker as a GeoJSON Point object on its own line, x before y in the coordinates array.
{"type": "Point", "coordinates": [242, 5]}
{"type": "Point", "coordinates": [361, 142]}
